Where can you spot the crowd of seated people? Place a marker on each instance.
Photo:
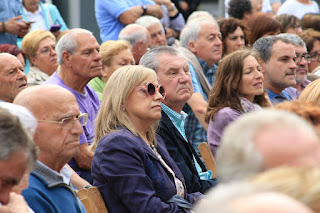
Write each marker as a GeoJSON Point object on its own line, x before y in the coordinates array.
{"type": "Point", "coordinates": [127, 116]}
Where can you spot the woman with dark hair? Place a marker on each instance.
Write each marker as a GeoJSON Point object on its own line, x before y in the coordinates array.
{"type": "Point", "coordinates": [290, 23]}
{"type": "Point", "coordinates": [14, 50]}
{"type": "Point", "coordinates": [238, 88]}
{"type": "Point", "coordinates": [311, 20]}
{"type": "Point", "coordinates": [234, 34]}
{"type": "Point", "coordinates": [263, 25]}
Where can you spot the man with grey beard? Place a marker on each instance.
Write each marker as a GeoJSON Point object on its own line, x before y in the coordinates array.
{"type": "Point", "coordinates": [302, 60]}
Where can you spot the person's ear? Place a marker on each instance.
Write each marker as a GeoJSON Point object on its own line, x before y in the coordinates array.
{"type": "Point", "coordinates": [66, 57]}
{"type": "Point", "coordinates": [192, 46]}
{"type": "Point", "coordinates": [33, 61]}
{"type": "Point", "coordinates": [262, 66]}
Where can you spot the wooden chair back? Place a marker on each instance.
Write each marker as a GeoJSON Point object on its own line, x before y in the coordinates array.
{"type": "Point", "coordinates": [92, 200]}
{"type": "Point", "coordinates": [207, 157]}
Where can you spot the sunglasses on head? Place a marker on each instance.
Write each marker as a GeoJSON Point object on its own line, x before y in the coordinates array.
{"type": "Point", "coordinates": [150, 88]}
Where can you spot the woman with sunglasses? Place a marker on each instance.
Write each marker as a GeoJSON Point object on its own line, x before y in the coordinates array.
{"type": "Point", "coordinates": [131, 166]}
{"type": "Point", "coordinates": [238, 89]}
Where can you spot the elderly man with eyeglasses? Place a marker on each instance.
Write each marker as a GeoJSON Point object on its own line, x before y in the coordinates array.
{"type": "Point", "coordinates": [302, 60]}
{"type": "Point", "coordinates": [57, 137]}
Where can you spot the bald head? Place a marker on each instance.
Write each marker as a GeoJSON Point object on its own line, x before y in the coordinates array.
{"type": "Point", "coordinates": [12, 77]}
{"type": "Point", "coordinates": [246, 197]}
{"type": "Point", "coordinates": [139, 38]}
{"type": "Point", "coordinates": [296, 147]}
{"type": "Point", "coordinates": [44, 99]}
{"type": "Point", "coordinates": [133, 33]}
{"type": "Point", "coordinates": [58, 133]}
{"type": "Point", "coordinates": [269, 202]}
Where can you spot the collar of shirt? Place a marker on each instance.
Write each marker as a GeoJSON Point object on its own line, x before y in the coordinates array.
{"type": "Point", "coordinates": [38, 12]}
{"type": "Point", "coordinates": [275, 98]}
{"type": "Point", "coordinates": [209, 72]}
{"type": "Point", "coordinates": [65, 174]}
{"type": "Point", "coordinates": [176, 118]}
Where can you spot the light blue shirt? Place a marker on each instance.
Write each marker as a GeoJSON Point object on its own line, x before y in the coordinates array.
{"type": "Point", "coordinates": [108, 12]}
{"type": "Point", "coordinates": [8, 10]}
{"type": "Point", "coordinates": [178, 121]}
{"type": "Point", "coordinates": [194, 130]}
{"type": "Point", "coordinates": [275, 98]}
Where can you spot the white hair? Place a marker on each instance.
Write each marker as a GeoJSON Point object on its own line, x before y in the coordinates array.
{"type": "Point", "coordinates": [237, 156]}
{"type": "Point", "coordinates": [67, 42]}
{"type": "Point", "coordinates": [148, 21]}
{"type": "Point", "coordinates": [191, 30]}
{"type": "Point", "coordinates": [27, 119]}
{"type": "Point", "coordinates": [200, 14]}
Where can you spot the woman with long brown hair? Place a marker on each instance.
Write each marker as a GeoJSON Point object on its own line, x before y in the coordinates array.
{"type": "Point", "coordinates": [238, 89]}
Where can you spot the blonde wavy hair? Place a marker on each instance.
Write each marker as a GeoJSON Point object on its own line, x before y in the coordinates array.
{"type": "Point", "coordinates": [109, 49]}
{"type": "Point", "coordinates": [30, 42]}
{"type": "Point", "coordinates": [116, 92]}
{"type": "Point", "coordinates": [301, 183]}
{"type": "Point", "coordinates": [311, 93]}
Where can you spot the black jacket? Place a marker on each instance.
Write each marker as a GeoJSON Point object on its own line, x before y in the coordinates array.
{"type": "Point", "coordinates": [181, 152]}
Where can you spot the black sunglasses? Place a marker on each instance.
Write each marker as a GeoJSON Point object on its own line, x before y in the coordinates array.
{"type": "Point", "coordinates": [151, 89]}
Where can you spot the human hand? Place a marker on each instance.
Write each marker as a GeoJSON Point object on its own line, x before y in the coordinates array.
{"type": "Point", "coordinates": [16, 27]}
{"type": "Point", "coordinates": [167, 3]}
{"type": "Point", "coordinates": [184, 6]}
{"type": "Point", "coordinates": [16, 204]}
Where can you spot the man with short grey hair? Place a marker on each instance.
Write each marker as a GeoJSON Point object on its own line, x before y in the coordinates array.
{"type": "Point", "coordinates": [138, 37]}
{"type": "Point", "coordinates": [302, 60]}
{"type": "Point", "coordinates": [265, 139]}
{"type": "Point", "coordinates": [173, 74]}
{"type": "Point", "coordinates": [80, 61]}
{"type": "Point", "coordinates": [155, 28]}
{"type": "Point", "coordinates": [277, 65]}
{"type": "Point", "coordinates": [202, 46]}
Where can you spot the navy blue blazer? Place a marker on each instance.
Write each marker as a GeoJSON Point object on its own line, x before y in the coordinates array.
{"type": "Point", "coordinates": [181, 152]}
{"type": "Point", "coordinates": [131, 178]}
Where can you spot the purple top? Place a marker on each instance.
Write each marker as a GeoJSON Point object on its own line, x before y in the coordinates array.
{"type": "Point", "coordinates": [87, 102]}
{"type": "Point", "coordinates": [221, 119]}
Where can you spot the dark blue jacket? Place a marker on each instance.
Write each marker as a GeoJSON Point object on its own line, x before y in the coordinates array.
{"type": "Point", "coordinates": [131, 178]}
{"type": "Point", "coordinates": [181, 152]}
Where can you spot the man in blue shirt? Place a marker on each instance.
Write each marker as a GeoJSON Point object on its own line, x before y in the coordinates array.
{"type": "Point", "coordinates": [10, 26]}
{"type": "Point", "coordinates": [202, 46]}
{"type": "Point", "coordinates": [278, 66]}
{"type": "Point", "coordinates": [113, 15]}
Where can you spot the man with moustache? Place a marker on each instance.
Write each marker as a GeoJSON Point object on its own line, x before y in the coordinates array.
{"type": "Point", "coordinates": [12, 77]}
{"type": "Point", "coordinates": [201, 44]}
{"type": "Point", "coordinates": [80, 61]}
{"type": "Point", "coordinates": [174, 76]}
{"type": "Point", "coordinates": [57, 137]}
{"type": "Point", "coordinates": [277, 65]}
{"type": "Point", "coordinates": [302, 60]}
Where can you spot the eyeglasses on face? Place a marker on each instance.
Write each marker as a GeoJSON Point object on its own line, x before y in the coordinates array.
{"type": "Point", "coordinates": [315, 56]}
{"type": "Point", "coordinates": [299, 57]}
{"type": "Point", "coordinates": [68, 122]}
{"type": "Point", "coordinates": [150, 89]}
{"type": "Point", "coordinates": [296, 26]}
